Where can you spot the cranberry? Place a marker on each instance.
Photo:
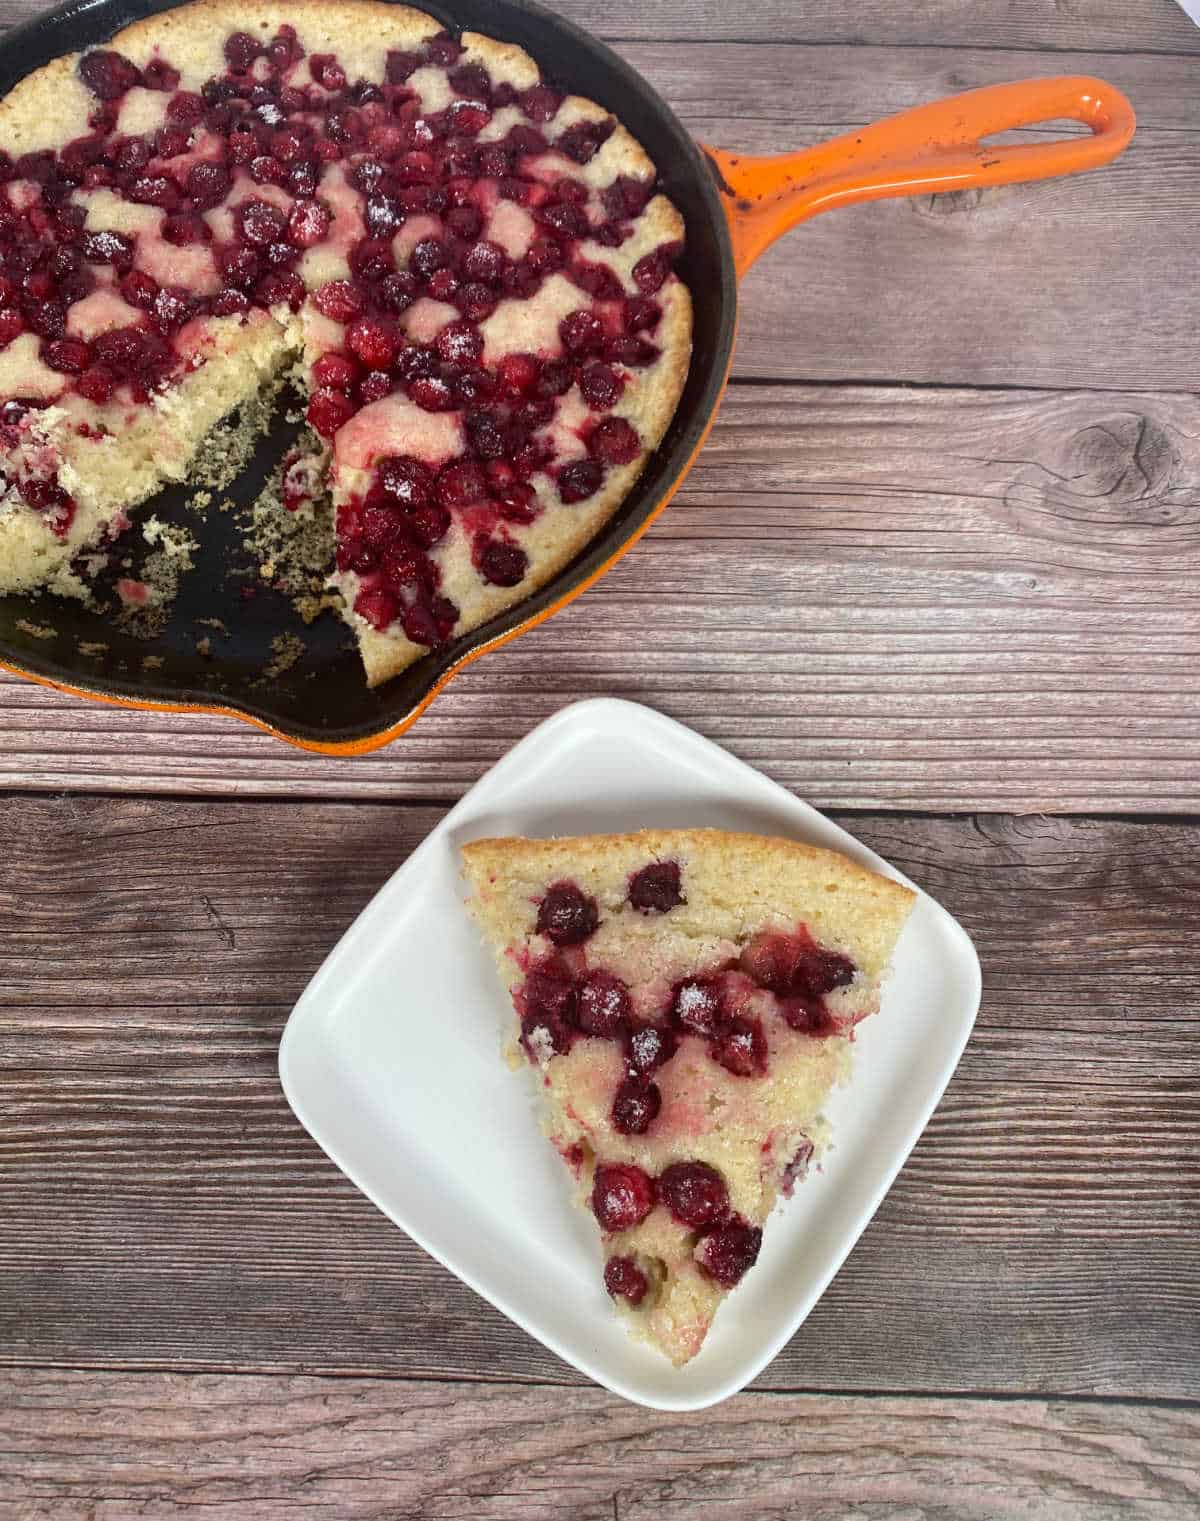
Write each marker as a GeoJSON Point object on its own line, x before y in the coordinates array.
{"type": "Point", "coordinates": [544, 256]}
{"type": "Point", "coordinates": [601, 386]}
{"type": "Point", "coordinates": [372, 258]}
{"type": "Point", "coordinates": [400, 65]}
{"type": "Point", "coordinates": [69, 356]}
{"type": "Point", "coordinates": [467, 117]}
{"type": "Point", "coordinates": [622, 1197]}
{"type": "Point", "coordinates": [626, 197]}
{"type": "Point", "coordinates": [475, 301]}
{"type": "Point", "coordinates": [374, 386]}
{"type": "Point", "coordinates": [695, 1193]}
{"type": "Point", "coordinates": [459, 343]}
{"type": "Point", "coordinates": [614, 441]}
{"type": "Point", "coordinates": [336, 370]}
{"type": "Point", "coordinates": [429, 255]}
{"type": "Point", "coordinates": [182, 229]}
{"type": "Point", "coordinates": [500, 563]}
{"type": "Point", "coordinates": [327, 71]}
{"type": "Point", "coordinates": [566, 916]}
{"type": "Point", "coordinates": [159, 75]}
{"type": "Point", "coordinates": [485, 434]}
{"type": "Point", "coordinates": [603, 1006]}
{"type": "Point", "coordinates": [696, 1005]}
{"type": "Point", "coordinates": [429, 525]}
{"type": "Point", "coordinates": [228, 302]}
{"type": "Point", "coordinates": [649, 1047]}
{"type": "Point", "coordinates": [407, 479]}
{"type": "Point", "coordinates": [207, 184]}
{"type": "Point", "coordinates": [339, 300]}
{"type": "Point", "coordinates": [106, 74]}
{"type": "Point", "coordinates": [462, 484]}
{"type": "Point", "coordinates": [308, 223]}
{"type": "Point", "coordinates": [544, 1034]}
{"type": "Point", "coordinates": [327, 411]}
{"type": "Point", "coordinates": [548, 995]}
{"type": "Point", "coordinates": [442, 49]}
{"type": "Point", "coordinates": [634, 353]}
{"type": "Point", "coordinates": [265, 170]}
{"type": "Point", "coordinates": [48, 319]}
{"type": "Point", "coordinates": [742, 1048]}
{"type": "Point", "coordinates": [241, 50]}
{"type": "Point", "coordinates": [727, 1252]}
{"type": "Point", "coordinates": [518, 372]}
{"type": "Point", "coordinates": [417, 362]}
{"type": "Point", "coordinates": [277, 289]}
{"type": "Point", "coordinates": [185, 109]}
{"type": "Point", "coordinates": [474, 384]}
{"type": "Point", "coordinates": [641, 313]}
{"type": "Point", "coordinates": [580, 141]}
{"type": "Point", "coordinates": [240, 266]}
{"type": "Point", "coordinates": [515, 501]}
{"type": "Point", "coordinates": [375, 603]}
{"type": "Point", "coordinates": [808, 1015]}
{"type": "Point", "coordinates": [243, 146]}
{"type": "Point", "coordinates": [285, 49]}
{"type": "Point", "coordinates": [555, 378]}
{"type": "Point", "coordinates": [625, 1280]}
{"type": "Point", "coordinates": [597, 279]}
{"type": "Point", "coordinates": [430, 623]}
{"type": "Point", "coordinates": [442, 285]}
{"type": "Point", "coordinates": [302, 179]}
{"type": "Point", "coordinates": [260, 222]}
{"type": "Point", "coordinates": [540, 103]}
{"type": "Point", "coordinates": [582, 333]}
{"type": "Point", "coordinates": [636, 1106]}
{"type": "Point", "coordinates": [172, 307]}
{"type": "Point", "coordinates": [484, 261]}
{"type": "Point", "coordinates": [795, 964]}
{"type": "Point", "coordinates": [108, 248]}
{"type": "Point", "coordinates": [651, 270]}
{"type": "Point", "coordinates": [656, 889]}
{"type": "Point", "coordinates": [382, 216]}
{"type": "Point", "coordinates": [563, 218]}
{"type": "Point", "coordinates": [470, 79]}
{"type": "Point", "coordinates": [432, 394]}
{"type": "Point", "coordinates": [526, 140]}
{"type": "Point", "coordinates": [373, 342]}
{"type": "Point", "coordinates": [96, 385]}
{"type": "Point", "coordinates": [579, 480]}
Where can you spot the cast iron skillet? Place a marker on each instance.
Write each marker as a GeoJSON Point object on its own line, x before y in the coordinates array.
{"type": "Point", "coordinates": [733, 207]}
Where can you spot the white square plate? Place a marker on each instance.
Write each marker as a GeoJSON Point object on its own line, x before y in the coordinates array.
{"type": "Point", "coordinates": [392, 1060]}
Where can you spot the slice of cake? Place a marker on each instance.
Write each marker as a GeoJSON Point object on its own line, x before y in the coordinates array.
{"type": "Point", "coordinates": [689, 999]}
{"type": "Point", "coordinates": [469, 271]}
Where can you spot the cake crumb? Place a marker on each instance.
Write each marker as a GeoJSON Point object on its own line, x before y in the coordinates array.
{"type": "Point", "coordinates": [93, 647]}
{"type": "Point", "coordinates": [204, 647]}
{"type": "Point", "coordinates": [287, 648]}
{"type": "Point", "coordinates": [35, 630]}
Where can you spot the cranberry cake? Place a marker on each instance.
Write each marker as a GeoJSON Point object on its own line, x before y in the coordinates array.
{"type": "Point", "coordinates": [688, 999]}
{"type": "Point", "coordinates": [470, 273]}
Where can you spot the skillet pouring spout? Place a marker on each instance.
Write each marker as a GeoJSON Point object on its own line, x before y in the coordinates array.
{"type": "Point", "coordinates": [937, 147]}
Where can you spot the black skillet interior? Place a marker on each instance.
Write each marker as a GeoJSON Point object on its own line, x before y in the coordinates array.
{"type": "Point", "coordinates": [322, 697]}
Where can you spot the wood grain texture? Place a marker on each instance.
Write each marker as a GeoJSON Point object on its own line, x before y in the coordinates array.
{"type": "Point", "coordinates": [106, 1447]}
{"type": "Point", "coordinates": [929, 598]}
{"type": "Point", "coordinates": [161, 1208]}
{"type": "Point", "coordinates": [1146, 26]}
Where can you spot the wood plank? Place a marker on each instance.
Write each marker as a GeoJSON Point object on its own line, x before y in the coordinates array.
{"type": "Point", "coordinates": [163, 1209]}
{"type": "Point", "coordinates": [105, 1446]}
{"type": "Point", "coordinates": [1149, 26]}
{"type": "Point", "coordinates": [931, 599]}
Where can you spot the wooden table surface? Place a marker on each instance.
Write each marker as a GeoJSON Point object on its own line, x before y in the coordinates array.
{"type": "Point", "coordinates": [936, 571]}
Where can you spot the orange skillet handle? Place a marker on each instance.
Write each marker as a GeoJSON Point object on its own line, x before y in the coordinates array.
{"type": "Point", "coordinates": [932, 148]}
